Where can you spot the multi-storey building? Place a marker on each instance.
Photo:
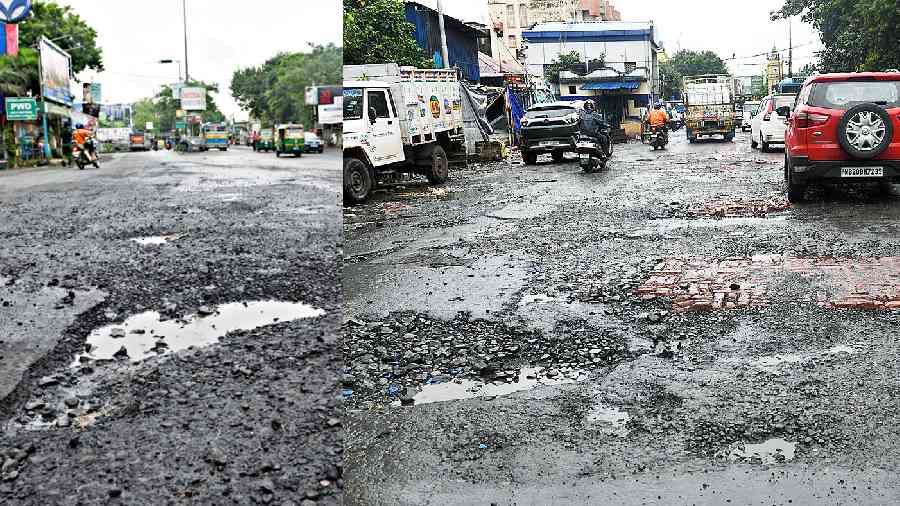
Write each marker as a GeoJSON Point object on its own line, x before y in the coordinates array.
{"type": "Point", "coordinates": [510, 18]}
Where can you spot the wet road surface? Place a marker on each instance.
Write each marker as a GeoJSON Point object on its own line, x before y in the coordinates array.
{"type": "Point", "coordinates": [168, 328]}
{"type": "Point", "coordinates": [668, 331]}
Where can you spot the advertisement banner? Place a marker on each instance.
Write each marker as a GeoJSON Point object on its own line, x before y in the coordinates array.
{"type": "Point", "coordinates": [193, 98]}
{"type": "Point", "coordinates": [13, 11]}
{"type": "Point", "coordinates": [9, 39]}
{"type": "Point", "coordinates": [327, 94]}
{"type": "Point", "coordinates": [96, 93]}
{"type": "Point", "coordinates": [21, 109]}
{"type": "Point", "coordinates": [149, 125]}
{"type": "Point", "coordinates": [333, 113]}
{"type": "Point", "coordinates": [55, 72]}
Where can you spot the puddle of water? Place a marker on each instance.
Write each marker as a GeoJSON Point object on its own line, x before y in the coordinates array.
{"type": "Point", "coordinates": [537, 298]}
{"type": "Point", "coordinates": [841, 348]}
{"type": "Point", "coordinates": [157, 239]}
{"type": "Point", "coordinates": [529, 377]}
{"type": "Point", "coordinates": [230, 197]}
{"type": "Point", "coordinates": [144, 334]}
{"type": "Point", "coordinates": [771, 451]}
{"type": "Point", "coordinates": [613, 418]}
{"type": "Point", "coordinates": [776, 360]}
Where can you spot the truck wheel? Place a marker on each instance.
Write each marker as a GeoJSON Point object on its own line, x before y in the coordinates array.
{"type": "Point", "coordinates": [358, 181]}
{"type": "Point", "coordinates": [438, 170]}
{"type": "Point", "coordinates": [558, 156]}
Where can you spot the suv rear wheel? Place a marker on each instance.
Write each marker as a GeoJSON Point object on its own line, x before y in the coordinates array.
{"type": "Point", "coordinates": [795, 190]}
{"type": "Point", "coordinates": [865, 131]}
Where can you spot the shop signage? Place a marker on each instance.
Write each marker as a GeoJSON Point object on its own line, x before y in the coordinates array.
{"type": "Point", "coordinates": [13, 11]}
{"type": "Point", "coordinates": [21, 109]}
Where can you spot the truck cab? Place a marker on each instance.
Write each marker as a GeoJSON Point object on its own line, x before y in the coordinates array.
{"type": "Point", "coordinates": [372, 123]}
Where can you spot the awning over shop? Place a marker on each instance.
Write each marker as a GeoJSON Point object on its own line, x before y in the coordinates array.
{"type": "Point", "coordinates": [617, 85]}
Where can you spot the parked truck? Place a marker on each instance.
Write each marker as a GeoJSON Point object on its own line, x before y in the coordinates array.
{"type": "Point", "coordinates": [709, 104]}
{"type": "Point", "coordinates": [398, 120]}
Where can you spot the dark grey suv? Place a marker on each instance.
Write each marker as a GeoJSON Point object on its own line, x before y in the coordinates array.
{"type": "Point", "coordinates": [549, 128]}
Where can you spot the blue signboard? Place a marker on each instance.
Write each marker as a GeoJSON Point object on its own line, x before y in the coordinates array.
{"type": "Point", "coordinates": [13, 11]}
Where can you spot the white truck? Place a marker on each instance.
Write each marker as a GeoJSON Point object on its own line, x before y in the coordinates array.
{"type": "Point", "coordinates": [398, 120]}
{"type": "Point", "coordinates": [709, 106]}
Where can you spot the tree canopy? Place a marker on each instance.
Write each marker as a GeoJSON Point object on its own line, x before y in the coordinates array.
{"type": "Point", "coordinates": [275, 91]}
{"type": "Point", "coordinates": [19, 74]}
{"type": "Point", "coordinates": [564, 61]}
{"type": "Point", "coordinates": [857, 35]}
{"type": "Point", "coordinates": [695, 63]}
{"type": "Point", "coordinates": [670, 79]}
{"type": "Point", "coordinates": [376, 31]}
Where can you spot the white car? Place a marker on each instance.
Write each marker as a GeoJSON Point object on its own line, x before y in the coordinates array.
{"type": "Point", "coordinates": [768, 127]}
{"type": "Point", "coordinates": [749, 108]}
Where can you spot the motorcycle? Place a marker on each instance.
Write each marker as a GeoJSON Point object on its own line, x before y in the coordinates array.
{"type": "Point", "coordinates": [86, 155]}
{"type": "Point", "coordinates": [658, 138]}
{"type": "Point", "coordinates": [591, 155]}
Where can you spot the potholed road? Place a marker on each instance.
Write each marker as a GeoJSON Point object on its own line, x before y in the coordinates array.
{"type": "Point", "coordinates": [669, 331]}
{"type": "Point", "coordinates": [249, 413]}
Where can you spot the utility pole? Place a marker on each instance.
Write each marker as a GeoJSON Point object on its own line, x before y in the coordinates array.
{"type": "Point", "coordinates": [184, 13]}
{"type": "Point", "coordinates": [790, 50]}
{"type": "Point", "coordinates": [443, 35]}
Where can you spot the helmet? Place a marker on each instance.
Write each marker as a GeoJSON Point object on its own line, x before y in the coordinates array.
{"type": "Point", "coordinates": [659, 104]}
{"type": "Point", "coordinates": [79, 126]}
{"type": "Point", "coordinates": [589, 106]}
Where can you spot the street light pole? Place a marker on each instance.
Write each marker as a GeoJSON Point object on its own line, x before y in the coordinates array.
{"type": "Point", "coordinates": [184, 13]}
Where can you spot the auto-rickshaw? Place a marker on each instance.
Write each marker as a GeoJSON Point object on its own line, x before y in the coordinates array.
{"type": "Point", "coordinates": [266, 141]}
{"type": "Point", "coordinates": [290, 140]}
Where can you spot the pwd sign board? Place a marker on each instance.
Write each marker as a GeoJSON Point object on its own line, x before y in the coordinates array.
{"type": "Point", "coordinates": [21, 109]}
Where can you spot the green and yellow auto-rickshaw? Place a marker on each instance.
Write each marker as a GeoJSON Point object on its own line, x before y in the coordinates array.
{"type": "Point", "coordinates": [290, 139]}
{"type": "Point", "coordinates": [266, 140]}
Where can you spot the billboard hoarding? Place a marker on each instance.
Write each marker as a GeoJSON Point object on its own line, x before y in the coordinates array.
{"type": "Point", "coordinates": [193, 98]}
{"type": "Point", "coordinates": [96, 93]}
{"type": "Point", "coordinates": [312, 96]}
{"type": "Point", "coordinates": [332, 114]}
{"type": "Point", "coordinates": [55, 71]}
{"type": "Point", "coordinates": [9, 39]}
{"type": "Point", "coordinates": [149, 125]}
{"type": "Point", "coordinates": [327, 94]}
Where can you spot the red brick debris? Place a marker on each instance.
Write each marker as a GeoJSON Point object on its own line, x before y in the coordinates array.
{"type": "Point", "coordinates": [743, 208]}
{"type": "Point", "coordinates": [696, 284]}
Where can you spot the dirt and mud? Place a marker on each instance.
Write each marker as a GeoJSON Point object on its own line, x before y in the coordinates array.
{"type": "Point", "coordinates": [771, 386]}
{"type": "Point", "coordinates": [128, 372]}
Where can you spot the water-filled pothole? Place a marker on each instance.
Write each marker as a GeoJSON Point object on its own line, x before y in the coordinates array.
{"type": "Point", "coordinates": [156, 240]}
{"type": "Point", "coordinates": [771, 451]}
{"type": "Point", "coordinates": [529, 377]}
{"type": "Point", "coordinates": [145, 333]}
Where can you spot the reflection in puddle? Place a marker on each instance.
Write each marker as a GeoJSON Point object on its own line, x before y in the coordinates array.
{"type": "Point", "coordinates": [776, 360]}
{"type": "Point", "coordinates": [157, 239]}
{"type": "Point", "coordinates": [612, 418]}
{"type": "Point", "coordinates": [772, 451]}
{"type": "Point", "coordinates": [529, 377]}
{"type": "Point", "coordinates": [841, 348]}
{"type": "Point", "coordinates": [145, 333]}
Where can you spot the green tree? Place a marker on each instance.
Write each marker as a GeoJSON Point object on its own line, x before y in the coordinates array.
{"type": "Point", "coordinates": [275, 91]}
{"type": "Point", "coordinates": [670, 79]}
{"type": "Point", "coordinates": [695, 63]}
{"type": "Point", "coordinates": [858, 35]}
{"type": "Point", "coordinates": [66, 28]}
{"type": "Point", "coordinates": [564, 61]}
{"type": "Point", "coordinates": [376, 31]}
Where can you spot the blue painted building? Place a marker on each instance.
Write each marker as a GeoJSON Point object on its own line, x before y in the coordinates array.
{"type": "Point", "coordinates": [462, 39]}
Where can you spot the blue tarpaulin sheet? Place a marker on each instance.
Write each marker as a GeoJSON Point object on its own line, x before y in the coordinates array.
{"type": "Point", "coordinates": [618, 85]}
{"type": "Point", "coordinates": [515, 108]}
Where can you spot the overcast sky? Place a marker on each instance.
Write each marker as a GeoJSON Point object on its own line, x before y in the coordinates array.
{"type": "Point", "coordinates": [223, 35]}
{"type": "Point", "coordinates": [724, 26]}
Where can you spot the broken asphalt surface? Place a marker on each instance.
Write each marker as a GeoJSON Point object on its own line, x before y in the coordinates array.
{"type": "Point", "coordinates": [249, 417]}
{"type": "Point", "coordinates": [628, 396]}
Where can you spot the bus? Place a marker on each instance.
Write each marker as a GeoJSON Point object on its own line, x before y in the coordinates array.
{"type": "Point", "coordinates": [216, 136]}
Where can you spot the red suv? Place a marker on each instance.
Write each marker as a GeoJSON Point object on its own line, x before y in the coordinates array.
{"type": "Point", "coordinates": [845, 127]}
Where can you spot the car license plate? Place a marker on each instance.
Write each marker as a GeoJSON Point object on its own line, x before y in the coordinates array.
{"type": "Point", "coordinates": [583, 156]}
{"type": "Point", "coordinates": [862, 171]}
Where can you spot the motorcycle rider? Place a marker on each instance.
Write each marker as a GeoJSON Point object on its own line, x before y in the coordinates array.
{"type": "Point", "coordinates": [592, 123]}
{"type": "Point", "coordinates": [80, 137]}
{"type": "Point", "coordinates": [659, 119]}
